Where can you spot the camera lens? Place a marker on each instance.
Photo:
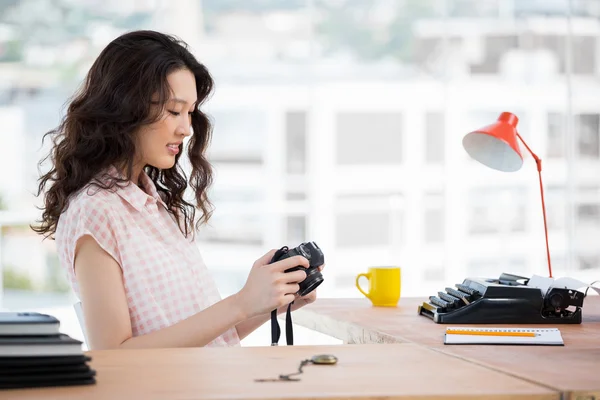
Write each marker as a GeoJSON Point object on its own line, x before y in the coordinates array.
{"type": "Point", "coordinates": [313, 279]}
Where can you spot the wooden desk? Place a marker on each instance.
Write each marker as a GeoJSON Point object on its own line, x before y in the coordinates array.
{"type": "Point", "coordinates": [574, 369]}
{"type": "Point", "coordinates": [394, 371]}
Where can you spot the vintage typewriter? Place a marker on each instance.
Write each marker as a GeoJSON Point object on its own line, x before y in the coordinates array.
{"type": "Point", "coordinates": [507, 300]}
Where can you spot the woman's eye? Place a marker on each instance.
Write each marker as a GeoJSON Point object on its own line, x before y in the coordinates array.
{"type": "Point", "coordinates": [175, 113]}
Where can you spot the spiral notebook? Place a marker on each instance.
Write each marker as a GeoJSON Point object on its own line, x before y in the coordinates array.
{"type": "Point", "coordinates": [514, 336]}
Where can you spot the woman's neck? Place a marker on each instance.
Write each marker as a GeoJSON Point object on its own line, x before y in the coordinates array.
{"type": "Point", "coordinates": [136, 173]}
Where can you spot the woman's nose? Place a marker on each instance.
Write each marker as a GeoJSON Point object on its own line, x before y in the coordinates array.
{"type": "Point", "coordinates": [185, 128]}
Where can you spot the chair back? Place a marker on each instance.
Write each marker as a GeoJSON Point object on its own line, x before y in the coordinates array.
{"type": "Point", "coordinates": [79, 311]}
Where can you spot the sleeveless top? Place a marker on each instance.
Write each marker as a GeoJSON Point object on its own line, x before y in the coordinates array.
{"type": "Point", "coordinates": [164, 275]}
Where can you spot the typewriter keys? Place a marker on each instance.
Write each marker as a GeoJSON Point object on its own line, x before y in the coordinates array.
{"type": "Point", "coordinates": [320, 359]}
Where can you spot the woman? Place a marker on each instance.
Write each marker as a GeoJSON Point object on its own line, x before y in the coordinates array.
{"type": "Point", "coordinates": [114, 202]}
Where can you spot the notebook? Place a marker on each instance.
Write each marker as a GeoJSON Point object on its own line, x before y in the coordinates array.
{"type": "Point", "coordinates": [42, 361]}
{"type": "Point", "coordinates": [24, 379]}
{"type": "Point", "coordinates": [57, 345]}
{"type": "Point", "coordinates": [43, 370]}
{"type": "Point", "coordinates": [27, 323]}
{"type": "Point", "coordinates": [493, 335]}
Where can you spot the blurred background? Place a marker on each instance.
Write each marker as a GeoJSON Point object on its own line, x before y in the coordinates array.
{"type": "Point", "coordinates": [338, 121]}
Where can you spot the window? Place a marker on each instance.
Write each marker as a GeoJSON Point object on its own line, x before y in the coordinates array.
{"type": "Point", "coordinates": [369, 138]}
{"type": "Point", "coordinates": [559, 263]}
{"type": "Point", "coordinates": [589, 215]}
{"type": "Point", "coordinates": [362, 229]}
{"type": "Point", "coordinates": [221, 194]}
{"type": "Point", "coordinates": [587, 227]}
{"type": "Point", "coordinates": [496, 210]}
{"type": "Point", "coordinates": [587, 262]}
{"type": "Point", "coordinates": [434, 218]}
{"type": "Point", "coordinates": [583, 47]}
{"type": "Point", "coordinates": [234, 229]}
{"type": "Point", "coordinates": [295, 196]}
{"type": "Point", "coordinates": [369, 220]}
{"type": "Point", "coordinates": [433, 274]}
{"type": "Point", "coordinates": [344, 281]}
{"type": "Point", "coordinates": [235, 219]}
{"type": "Point", "coordinates": [556, 133]}
{"type": "Point", "coordinates": [495, 48]}
{"type": "Point", "coordinates": [296, 229]}
{"type": "Point", "coordinates": [229, 280]}
{"type": "Point", "coordinates": [484, 268]}
{"type": "Point", "coordinates": [435, 138]}
{"type": "Point", "coordinates": [493, 268]}
{"type": "Point", "coordinates": [295, 129]}
{"type": "Point", "coordinates": [238, 136]}
{"type": "Point", "coordinates": [587, 129]}
{"type": "Point", "coordinates": [556, 207]}
{"type": "Point", "coordinates": [471, 8]}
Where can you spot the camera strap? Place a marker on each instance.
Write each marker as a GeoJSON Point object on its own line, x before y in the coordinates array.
{"type": "Point", "coordinates": [275, 329]}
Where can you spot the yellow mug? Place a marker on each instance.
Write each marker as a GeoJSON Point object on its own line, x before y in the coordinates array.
{"type": "Point", "coordinates": [384, 286]}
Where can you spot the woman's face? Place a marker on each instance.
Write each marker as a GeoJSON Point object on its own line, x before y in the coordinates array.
{"type": "Point", "coordinates": [159, 142]}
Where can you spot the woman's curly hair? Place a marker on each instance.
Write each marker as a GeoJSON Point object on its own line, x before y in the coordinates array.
{"type": "Point", "coordinates": [98, 130]}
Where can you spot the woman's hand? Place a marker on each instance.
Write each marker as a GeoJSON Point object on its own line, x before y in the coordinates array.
{"type": "Point", "coordinates": [300, 302]}
{"type": "Point", "coordinates": [268, 287]}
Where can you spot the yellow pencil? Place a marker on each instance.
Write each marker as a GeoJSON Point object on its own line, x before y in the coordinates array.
{"type": "Point", "coordinates": [491, 333]}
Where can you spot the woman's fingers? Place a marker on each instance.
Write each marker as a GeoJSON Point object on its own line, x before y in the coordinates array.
{"type": "Point", "coordinates": [265, 259]}
{"type": "Point", "coordinates": [293, 277]}
{"type": "Point", "coordinates": [288, 263]}
{"type": "Point", "coordinates": [287, 299]}
{"type": "Point", "coordinates": [292, 288]}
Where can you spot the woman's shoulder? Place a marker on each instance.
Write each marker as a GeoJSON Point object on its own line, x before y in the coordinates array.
{"type": "Point", "coordinates": [90, 206]}
{"type": "Point", "coordinates": [93, 198]}
{"type": "Point", "coordinates": [90, 211]}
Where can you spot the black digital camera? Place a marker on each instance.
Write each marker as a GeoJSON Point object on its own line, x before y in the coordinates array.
{"type": "Point", "coordinates": [315, 257]}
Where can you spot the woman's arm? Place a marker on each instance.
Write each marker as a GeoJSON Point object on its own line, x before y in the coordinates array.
{"type": "Point", "coordinates": [250, 325]}
{"type": "Point", "coordinates": [107, 315]}
{"type": "Point", "coordinates": [247, 327]}
{"type": "Point", "coordinates": [106, 311]}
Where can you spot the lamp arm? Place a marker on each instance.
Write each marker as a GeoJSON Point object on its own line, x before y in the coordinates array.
{"type": "Point", "coordinates": [538, 162]}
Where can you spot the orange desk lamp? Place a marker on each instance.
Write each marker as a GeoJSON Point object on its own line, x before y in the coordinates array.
{"type": "Point", "coordinates": [496, 146]}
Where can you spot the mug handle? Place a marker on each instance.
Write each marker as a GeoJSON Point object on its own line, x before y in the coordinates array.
{"type": "Point", "coordinates": [368, 276]}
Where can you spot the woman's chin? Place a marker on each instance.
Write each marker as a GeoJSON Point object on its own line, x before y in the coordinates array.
{"type": "Point", "coordinates": [166, 163]}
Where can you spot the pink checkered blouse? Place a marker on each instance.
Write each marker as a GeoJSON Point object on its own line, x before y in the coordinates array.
{"type": "Point", "coordinates": [164, 275]}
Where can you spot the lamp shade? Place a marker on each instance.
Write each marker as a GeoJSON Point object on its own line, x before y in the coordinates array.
{"type": "Point", "coordinates": [496, 145]}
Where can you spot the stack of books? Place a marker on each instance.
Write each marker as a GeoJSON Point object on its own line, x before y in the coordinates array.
{"type": "Point", "coordinates": [34, 353]}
